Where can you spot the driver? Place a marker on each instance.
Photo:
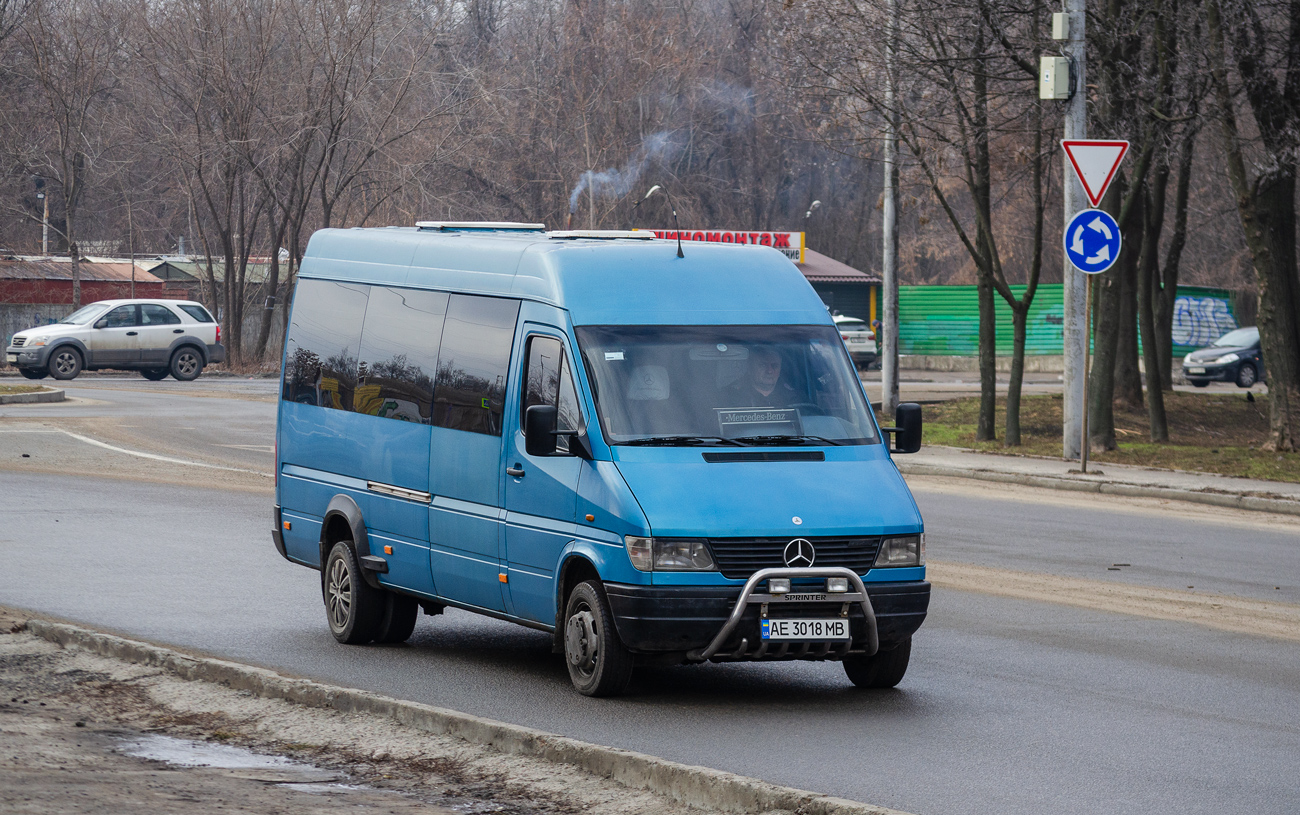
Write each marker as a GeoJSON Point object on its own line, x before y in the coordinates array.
{"type": "Point", "coordinates": [762, 386]}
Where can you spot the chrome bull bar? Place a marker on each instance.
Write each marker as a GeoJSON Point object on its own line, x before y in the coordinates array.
{"type": "Point", "coordinates": [749, 596]}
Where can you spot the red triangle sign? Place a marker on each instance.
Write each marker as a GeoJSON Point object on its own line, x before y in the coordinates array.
{"type": "Point", "coordinates": [1095, 162]}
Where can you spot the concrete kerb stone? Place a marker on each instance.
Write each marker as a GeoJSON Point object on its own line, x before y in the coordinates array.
{"type": "Point", "coordinates": [52, 395]}
{"type": "Point", "coordinates": [1222, 499]}
{"type": "Point", "coordinates": [686, 784]}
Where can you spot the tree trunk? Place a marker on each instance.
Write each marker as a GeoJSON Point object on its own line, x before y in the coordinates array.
{"type": "Point", "coordinates": [1148, 281]}
{"type": "Point", "coordinates": [1128, 380]}
{"type": "Point", "coordinates": [1020, 329]}
{"type": "Point", "coordinates": [1106, 317]}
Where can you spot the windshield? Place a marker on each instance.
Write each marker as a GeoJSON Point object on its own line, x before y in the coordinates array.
{"type": "Point", "coordinates": [729, 385]}
{"type": "Point", "coordinates": [84, 314]}
{"type": "Point", "coordinates": [1240, 338]}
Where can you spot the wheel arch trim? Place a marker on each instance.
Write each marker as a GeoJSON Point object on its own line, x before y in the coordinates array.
{"type": "Point", "coordinates": [345, 509]}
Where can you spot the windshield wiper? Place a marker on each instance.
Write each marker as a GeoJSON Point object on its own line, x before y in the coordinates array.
{"type": "Point", "coordinates": [791, 440]}
{"type": "Point", "coordinates": [682, 441]}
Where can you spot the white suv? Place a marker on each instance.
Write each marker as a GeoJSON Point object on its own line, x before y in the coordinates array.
{"type": "Point", "coordinates": [154, 337]}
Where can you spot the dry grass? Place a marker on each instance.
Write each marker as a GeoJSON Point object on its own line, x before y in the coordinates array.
{"type": "Point", "coordinates": [10, 389]}
{"type": "Point", "coordinates": [1210, 432]}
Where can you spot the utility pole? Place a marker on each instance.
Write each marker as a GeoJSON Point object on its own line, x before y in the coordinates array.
{"type": "Point", "coordinates": [889, 236]}
{"type": "Point", "coordinates": [45, 225]}
{"type": "Point", "coordinates": [1076, 286]}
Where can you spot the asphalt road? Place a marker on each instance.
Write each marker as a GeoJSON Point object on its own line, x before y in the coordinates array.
{"type": "Point", "coordinates": [1010, 706]}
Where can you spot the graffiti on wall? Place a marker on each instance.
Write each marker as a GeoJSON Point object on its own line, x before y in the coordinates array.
{"type": "Point", "coordinates": [1199, 321]}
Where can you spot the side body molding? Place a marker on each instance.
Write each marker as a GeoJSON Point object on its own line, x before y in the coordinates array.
{"type": "Point", "coordinates": [346, 509]}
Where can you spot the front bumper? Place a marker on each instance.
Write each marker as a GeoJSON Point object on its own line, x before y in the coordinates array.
{"type": "Point", "coordinates": [27, 357]}
{"type": "Point", "coordinates": [686, 619]}
{"type": "Point", "coordinates": [1227, 372]}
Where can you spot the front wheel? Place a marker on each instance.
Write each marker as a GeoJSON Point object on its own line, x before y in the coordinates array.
{"type": "Point", "coordinates": [154, 374]}
{"type": "Point", "coordinates": [65, 363]}
{"type": "Point", "coordinates": [884, 669]}
{"type": "Point", "coordinates": [599, 664]}
{"type": "Point", "coordinates": [186, 364]}
{"type": "Point", "coordinates": [1247, 375]}
{"type": "Point", "coordinates": [33, 373]}
{"type": "Point", "coordinates": [354, 609]}
{"type": "Point", "coordinates": [1200, 383]}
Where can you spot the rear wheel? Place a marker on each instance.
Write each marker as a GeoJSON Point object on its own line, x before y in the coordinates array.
{"type": "Point", "coordinates": [598, 663]}
{"type": "Point", "coordinates": [884, 669]}
{"type": "Point", "coordinates": [186, 364]}
{"type": "Point", "coordinates": [1247, 375]}
{"type": "Point", "coordinates": [400, 614]}
{"type": "Point", "coordinates": [1200, 383]}
{"type": "Point", "coordinates": [354, 609]}
{"type": "Point", "coordinates": [154, 374]}
{"type": "Point", "coordinates": [65, 363]}
{"type": "Point", "coordinates": [33, 373]}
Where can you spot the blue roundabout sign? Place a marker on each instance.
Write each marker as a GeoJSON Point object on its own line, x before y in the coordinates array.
{"type": "Point", "coordinates": [1092, 241]}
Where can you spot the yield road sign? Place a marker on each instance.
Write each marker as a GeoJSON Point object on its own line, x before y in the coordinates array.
{"type": "Point", "coordinates": [1095, 162]}
{"type": "Point", "coordinates": [1092, 241]}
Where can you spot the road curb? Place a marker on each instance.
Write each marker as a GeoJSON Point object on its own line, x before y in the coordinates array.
{"type": "Point", "coordinates": [53, 395]}
{"type": "Point", "coordinates": [686, 784]}
{"type": "Point", "coordinates": [1257, 503]}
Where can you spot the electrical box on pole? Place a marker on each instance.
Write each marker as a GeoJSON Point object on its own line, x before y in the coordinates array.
{"type": "Point", "coordinates": [1054, 78]}
{"type": "Point", "coordinates": [1060, 26]}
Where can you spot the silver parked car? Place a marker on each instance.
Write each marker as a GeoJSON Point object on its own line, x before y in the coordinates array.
{"type": "Point", "coordinates": [858, 338]}
{"type": "Point", "coordinates": [154, 337]}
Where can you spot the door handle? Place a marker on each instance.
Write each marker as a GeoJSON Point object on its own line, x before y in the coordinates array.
{"type": "Point", "coordinates": [516, 471]}
{"type": "Point", "coordinates": [178, 331]}
{"type": "Point", "coordinates": [132, 333]}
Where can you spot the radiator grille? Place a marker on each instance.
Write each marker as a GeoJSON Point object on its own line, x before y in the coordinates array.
{"type": "Point", "coordinates": [738, 558]}
{"type": "Point", "coordinates": [18, 341]}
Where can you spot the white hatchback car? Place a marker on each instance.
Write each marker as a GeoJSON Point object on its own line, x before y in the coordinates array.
{"type": "Point", "coordinates": [154, 337]}
{"type": "Point", "coordinates": [858, 338]}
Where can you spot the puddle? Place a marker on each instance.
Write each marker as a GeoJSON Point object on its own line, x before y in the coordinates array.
{"type": "Point", "coordinates": [236, 761]}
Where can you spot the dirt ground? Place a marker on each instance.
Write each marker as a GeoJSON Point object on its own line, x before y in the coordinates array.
{"type": "Point", "coordinates": [81, 733]}
{"type": "Point", "coordinates": [1208, 432]}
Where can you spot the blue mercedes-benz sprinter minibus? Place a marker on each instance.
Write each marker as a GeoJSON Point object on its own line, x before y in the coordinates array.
{"type": "Point", "coordinates": [654, 458]}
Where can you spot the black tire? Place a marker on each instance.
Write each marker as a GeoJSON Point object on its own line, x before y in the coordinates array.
{"type": "Point", "coordinates": [1199, 383]}
{"type": "Point", "coordinates": [154, 374]}
{"type": "Point", "coordinates": [883, 670]}
{"type": "Point", "coordinates": [353, 608]}
{"type": "Point", "coordinates": [186, 364]}
{"type": "Point", "coordinates": [1247, 375]}
{"type": "Point", "coordinates": [65, 363]}
{"type": "Point", "coordinates": [33, 373]}
{"type": "Point", "coordinates": [400, 614]}
{"type": "Point", "coordinates": [598, 663]}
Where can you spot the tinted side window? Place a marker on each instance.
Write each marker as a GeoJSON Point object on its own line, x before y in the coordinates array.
{"type": "Point", "coordinates": [548, 381]}
{"type": "Point", "coordinates": [320, 363]}
{"type": "Point", "coordinates": [198, 312]}
{"type": "Point", "coordinates": [153, 314]}
{"type": "Point", "coordinates": [399, 354]}
{"type": "Point", "coordinates": [120, 317]}
{"type": "Point", "coordinates": [470, 388]}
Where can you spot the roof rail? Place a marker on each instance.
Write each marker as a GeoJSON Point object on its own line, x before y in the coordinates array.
{"type": "Point", "coordinates": [604, 234]}
{"type": "Point", "coordinates": [451, 226]}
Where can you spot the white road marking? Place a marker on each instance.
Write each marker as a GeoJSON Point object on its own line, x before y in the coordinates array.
{"type": "Point", "coordinates": [139, 454]}
{"type": "Point", "coordinates": [261, 448]}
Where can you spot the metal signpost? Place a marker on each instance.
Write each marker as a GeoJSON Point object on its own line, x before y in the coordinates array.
{"type": "Point", "coordinates": [1092, 241]}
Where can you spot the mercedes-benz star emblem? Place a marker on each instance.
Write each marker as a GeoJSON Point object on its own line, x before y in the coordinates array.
{"type": "Point", "coordinates": [799, 552]}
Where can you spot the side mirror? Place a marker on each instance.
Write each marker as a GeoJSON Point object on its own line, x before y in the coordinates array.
{"type": "Point", "coordinates": [102, 322]}
{"type": "Point", "coordinates": [539, 430]}
{"type": "Point", "coordinates": [907, 433]}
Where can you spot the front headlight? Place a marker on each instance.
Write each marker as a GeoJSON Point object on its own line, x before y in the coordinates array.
{"type": "Point", "coordinates": [37, 342]}
{"type": "Point", "coordinates": [1226, 358]}
{"type": "Point", "coordinates": [668, 555]}
{"type": "Point", "coordinates": [1187, 360]}
{"type": "Point", "coordinates": [901, 550]}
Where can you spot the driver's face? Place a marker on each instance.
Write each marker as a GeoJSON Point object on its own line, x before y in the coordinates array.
{"type": "Point", "coordinates": [767, 369]}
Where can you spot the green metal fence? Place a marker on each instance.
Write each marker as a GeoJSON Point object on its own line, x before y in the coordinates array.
{"type": "Point", "coordinates": [944, 320]}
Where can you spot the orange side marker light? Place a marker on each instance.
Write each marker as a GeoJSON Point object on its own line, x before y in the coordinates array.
{"type": "Point", "coordinates": [591, 517]}
{"type": "Point", "coordinates": [388, 550]}
{"type": "Point", "coordinates": [502, 577]}
{"type": "Point", "coordinates": [288, 525]}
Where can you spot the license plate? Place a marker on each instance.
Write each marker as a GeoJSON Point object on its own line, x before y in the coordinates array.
{"type": "Point", "coordinates": [805, 629]}
{"type": "Point", "coordinates": [11, 357]}
{"type": "Point", "coordinates": [1195, 370]}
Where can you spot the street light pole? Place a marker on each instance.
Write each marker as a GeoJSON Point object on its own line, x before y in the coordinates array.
{"type": "Point", "coordinates": [1076, 287]}
{"type": "Point", "coordinates": [45, 225]}
{"type": "Point", "coordinates": [889, 238]}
